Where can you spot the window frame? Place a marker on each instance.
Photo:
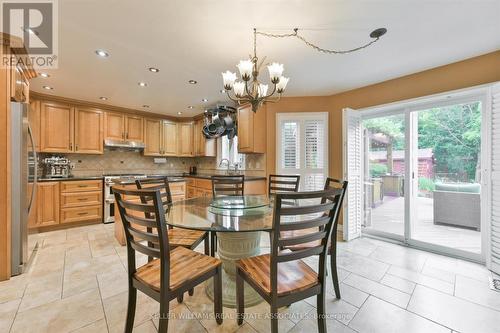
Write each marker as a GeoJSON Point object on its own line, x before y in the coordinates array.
{"type": "Point", "coordinates": [221, 145]}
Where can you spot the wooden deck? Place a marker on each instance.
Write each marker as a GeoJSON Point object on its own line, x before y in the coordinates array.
{"type": "Point", "coordinates": [389, 217]}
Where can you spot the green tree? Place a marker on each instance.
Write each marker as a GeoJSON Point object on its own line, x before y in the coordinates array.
{"type": "Point", "coordinates": [454, 134]}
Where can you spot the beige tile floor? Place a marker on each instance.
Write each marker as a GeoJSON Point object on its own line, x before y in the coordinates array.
{"type": "Point", "coordinates": [78, 283]}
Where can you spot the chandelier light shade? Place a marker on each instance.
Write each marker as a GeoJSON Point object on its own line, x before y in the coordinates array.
{"type": "Point", "coordinates": [249, 90]}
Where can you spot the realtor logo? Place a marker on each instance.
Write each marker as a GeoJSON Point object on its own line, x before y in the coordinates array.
{"type": "Point", "coordinates": [31, 27]}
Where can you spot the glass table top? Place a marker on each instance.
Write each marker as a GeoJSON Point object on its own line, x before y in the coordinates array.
{"type": "Point", "coordinates": [240, 202]}
{"type": "Point", "coordinates": [247, 213]}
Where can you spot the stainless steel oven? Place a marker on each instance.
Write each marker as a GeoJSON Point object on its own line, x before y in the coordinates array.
{"type": "Point", "coordinates": [109, 198]}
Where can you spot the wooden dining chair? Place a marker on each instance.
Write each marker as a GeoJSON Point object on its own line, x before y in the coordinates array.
{"type": "Point", "coordinates": [176, 236]}
{"type": "Point", "coordinates": [173, 271]}
{"type": "Point", "coordinates": [283, 183]}
{"type": "Point", "coordinates": [341, 187]}
{"type": "Point", "coordinates": [281, 277]}
{"type": "Point", "coordinates": [233, 185]}
{"type": "Point", "coordinates": [230, 185]}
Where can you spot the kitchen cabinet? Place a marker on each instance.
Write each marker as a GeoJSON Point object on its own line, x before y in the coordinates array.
{"type": "Point", "coordinates": [34, 121]}
{"type": "Point", "coordinates": [251, 130]}
{"type": "Point", "coordinates": [170, 141]}
{"type": "Point", "coordinates": [114, 126]}
{"type": "Point", "coordinates": [153, 129]}
{"type": "Point", "coordinates": [56, 126]}
{"type": "Point", "coordinates": [161, 138]}
{"type": "Point", "coordinates": [186, 147]}
{"type": "Point", "coordinates": [120, 126]}
{"type": "Point", "coordinates": [81, 201]}
{"type": "Point", "coordinates": [89, 127]}
{"type": "Point", "coordinates": [202, 145]}
{"type": "Point", "coordinates": [47, 204]}
{"type": "Point", "coordinates": [134, 128]}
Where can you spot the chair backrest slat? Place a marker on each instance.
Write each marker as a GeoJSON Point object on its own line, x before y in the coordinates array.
{"type": "Point", "coordinates": [315, 222]}
{"type": "Point", "coordinates": [295, 240]}
{"type": "Point", "coordinates": [283, 183]}
{"type": "Point", "coordinates": [322, 207]}
{"type": "Point", "coordinates": [143, 235]}
{"type": "Point", "coordinates": [228, 185]}
{"type": "Point", "coordinates": [147, 250]}
{"type": "Point", "coordinates": [300, 254]}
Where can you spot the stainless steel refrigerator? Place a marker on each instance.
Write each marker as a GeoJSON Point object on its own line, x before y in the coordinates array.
{"type": "Point", "coordinates": [23, 185]}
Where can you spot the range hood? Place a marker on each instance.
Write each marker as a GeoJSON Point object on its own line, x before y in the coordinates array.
{"type": "Point", "coordinates": [125, 145]}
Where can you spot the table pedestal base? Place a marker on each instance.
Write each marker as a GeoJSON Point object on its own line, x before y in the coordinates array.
{"type": "Point", "coordinates": [231, 247]}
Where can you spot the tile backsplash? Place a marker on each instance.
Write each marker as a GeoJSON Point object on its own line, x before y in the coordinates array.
{"type": "Point", "coordinates": [135, 162]}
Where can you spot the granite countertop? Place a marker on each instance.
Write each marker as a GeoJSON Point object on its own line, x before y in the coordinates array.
{"type": "Point", "coordinates": [72, 178]}
{"type": "Point", "coordinates": [171, 178]}
{"type": "Point", "coordinates": [208, 176]}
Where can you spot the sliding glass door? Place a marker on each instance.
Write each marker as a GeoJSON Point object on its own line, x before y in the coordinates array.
{"type": "Point", "coordinates": [384, 148]}
{"type": "Point", "coordinates": [447, 182]}
{"type": "Point", "coordinates": [421, 166]}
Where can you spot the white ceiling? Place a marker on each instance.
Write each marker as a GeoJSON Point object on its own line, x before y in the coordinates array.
{"type": "Point", "coordinates": [193, 39]}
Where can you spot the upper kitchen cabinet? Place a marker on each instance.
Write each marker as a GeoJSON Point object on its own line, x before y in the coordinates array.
{"type": "Point", "coordinates": [186, 147]}
{"type": "Point", "coordinates": [34, 121]}
{"type": "Point", "coordinates": [251, 130]}
{"type": "Point", "coordinates": [89, 129]}
{"type": "Point", "coordinates": [114, 126]}
{"type": "Point", "coordinates": [202, 145]}
{"type": "Point", "coordinates": [56, 126]}
{"type": "Point", "coordinates": [170, 139]}
{"type": "Point", "coordinates": [153, 137]}
{"type": "Point", "coordinates": [120, 126]}
{"type": "Point", "coordinates": [134, 128]}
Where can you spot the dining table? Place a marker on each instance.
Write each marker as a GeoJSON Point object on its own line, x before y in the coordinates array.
{"type": "Point", "coordinates": [239, 221]}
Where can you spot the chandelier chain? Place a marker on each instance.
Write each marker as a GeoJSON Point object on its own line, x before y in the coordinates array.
{"type": "Point", "coordinates": [295, 33]}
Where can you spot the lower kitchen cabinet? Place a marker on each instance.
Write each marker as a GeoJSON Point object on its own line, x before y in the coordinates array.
{"type": "Point", "coordinates": [61, 202]}
{"type": "Point", "coordinates": [47, 204]}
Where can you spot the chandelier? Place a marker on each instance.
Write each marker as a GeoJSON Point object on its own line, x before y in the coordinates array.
{"type": "Point", "coordinates": [249, 90]}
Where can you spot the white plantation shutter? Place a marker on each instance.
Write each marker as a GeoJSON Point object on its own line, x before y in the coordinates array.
{"type": "Point", "coordinates": [353, 173]}
{"type": "Point", "coordinates": [495, 180]}
{"type": "Point", "coordinates": [290, 145]}
{"type": "Point", "coordinates": [314, 178]}
{"type": "Point", "coordinates": [302, 140]}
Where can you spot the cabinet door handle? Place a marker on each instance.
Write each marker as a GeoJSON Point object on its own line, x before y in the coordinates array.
{"type": "Point", "coordinates": [126, 135]}
{"type": "Point", "coordinates": [76, 147]}
{"type": "Point", "coordinates": [70, 146]}
{"type": "Point", "coordinates": [81, 185]}
{"type": "Point", "coordinates": [83, 213]}
{"type": "Point", "coordinates": [83, 199]}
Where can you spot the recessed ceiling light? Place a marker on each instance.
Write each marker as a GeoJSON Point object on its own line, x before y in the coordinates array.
{"type": "Point", "coordinates": [142, 84]}
{"type": "Point", "coordinates": [193, 81]}
{"type": "Point", "coordinates": [179, 113]}
{"type": "Point", "coordinates": [204, 100]}
{"type": "Point", "coordinates": [206, 111]}
{"type": "Point", "coordinates": [222, 91]}
{"type": "Point", "coordinates": [47, 88]}
{"type": "Point", "coordinates": [102, 53]}
{"type": "Point", "coordinates": [45, 75]}
{"type": "Point", "coordinates": [154, 70]}
{"type": "Point", "coordinates": [190, 107]}
{"type": "Point", "coordinates": [145, 106]}
{"type": "Point", "coordinates": [102, 98]}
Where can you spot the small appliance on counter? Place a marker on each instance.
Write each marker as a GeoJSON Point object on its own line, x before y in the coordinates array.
{"type": "Point", "coordinates": [56, 167]}
{"type": "Point", "coordinates": [192, 170]}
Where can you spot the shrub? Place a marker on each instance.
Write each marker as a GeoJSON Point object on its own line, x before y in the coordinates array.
{"type": "Point", "coordinates": [377, 169]}
{"type": "Point", "coordinates": [426, 184]}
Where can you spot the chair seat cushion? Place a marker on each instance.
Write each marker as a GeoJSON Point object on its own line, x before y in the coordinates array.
{"type": "Point", "coordinates": [292, 275]}
{"type": "Point", "coordinates": [185, 265]}
{"type": "Point", "coordinates": [184, 237]}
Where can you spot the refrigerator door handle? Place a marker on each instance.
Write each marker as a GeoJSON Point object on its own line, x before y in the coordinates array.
{"type": "Point", "coordinates": [35, 171]}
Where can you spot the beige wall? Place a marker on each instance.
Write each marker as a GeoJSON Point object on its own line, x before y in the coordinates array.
{"type": "Point", "coordinates": [463, 74]}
